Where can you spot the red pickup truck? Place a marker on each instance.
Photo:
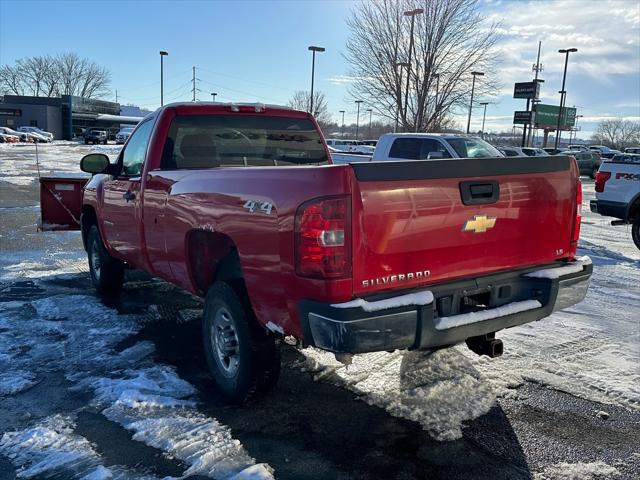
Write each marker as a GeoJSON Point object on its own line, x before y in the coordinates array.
{"type": "Point", "coordinates": [241, 205]}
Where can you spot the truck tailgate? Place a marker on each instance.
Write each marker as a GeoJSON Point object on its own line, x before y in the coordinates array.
{"type": "Point", "coordinates": [425, 222]}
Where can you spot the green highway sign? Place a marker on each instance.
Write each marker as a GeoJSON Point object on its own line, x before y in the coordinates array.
{"type": "Point", "coordinates": [546, 116]}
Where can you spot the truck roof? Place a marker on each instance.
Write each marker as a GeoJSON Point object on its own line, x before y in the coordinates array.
{"type": "Point", "coordinates": [420, 134]}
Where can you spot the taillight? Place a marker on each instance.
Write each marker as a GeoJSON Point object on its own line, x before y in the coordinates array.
{"type": "Point", "coordinates": [575, 235]}
{"type": "Point", "coordinates": [601, 179]}
{"type": "Point", "coordinates": [323, 238]}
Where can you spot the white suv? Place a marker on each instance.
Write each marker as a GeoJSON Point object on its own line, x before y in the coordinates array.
{"type": "Point", "coordinates": [48, 135]}
{"type": "Point", "coordinates": [618, 192]}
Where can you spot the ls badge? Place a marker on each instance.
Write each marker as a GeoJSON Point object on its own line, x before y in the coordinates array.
{"type": "Point", "coordinates": [479, 224]}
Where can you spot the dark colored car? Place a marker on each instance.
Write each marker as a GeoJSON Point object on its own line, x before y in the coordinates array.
{"type": "Point", "coordinates": [552, 151]}
{"type": "Point", "coordinates": [588, 162]}
{"type": "Point", "coordinates": [95, 136]}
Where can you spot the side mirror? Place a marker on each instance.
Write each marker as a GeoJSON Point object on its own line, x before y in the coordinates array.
{"type": "Point", "coordinates": [94, 163]}
{"type": "Point", "coordinates": [435, 155]}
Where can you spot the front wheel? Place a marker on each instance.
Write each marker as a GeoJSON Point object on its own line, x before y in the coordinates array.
{"type": "Point", "coordinates": [243, 360]}
{"type": "Point", "coordinates": [635, 231]}
{"type": "Point", "coordinates": [107, 273]}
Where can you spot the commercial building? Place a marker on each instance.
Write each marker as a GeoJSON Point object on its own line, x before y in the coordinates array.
{"type": "Point", "coordinates": [66, 116]}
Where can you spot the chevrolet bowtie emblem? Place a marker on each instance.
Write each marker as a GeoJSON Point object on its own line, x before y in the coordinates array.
{"type": "Point", "coordinates": [479, 224]}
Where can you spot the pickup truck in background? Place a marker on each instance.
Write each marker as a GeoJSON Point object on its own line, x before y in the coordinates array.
{"type": "Point", "coordinates": [423, 146]}
{"type": "Point", "coordinates": [240, 204]}
{"type": "Point", "coordinates": [618, 192]}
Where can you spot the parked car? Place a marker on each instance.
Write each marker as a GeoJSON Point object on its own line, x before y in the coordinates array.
{"type": "Point", "coordinates": [588, 162]}
{"type": "Point", "coordinates": [5, 138]}
{"type": "Point", "coordinates": [123, 135]}
{"type": "Point", "coordinates": [341, 144]}
{"type": "Point", "coordinates": [94, 135]}
{"type": "Point", "coordinates": [364, 149]}
{"type": "Point", "coordinates": [511, 151]}
{"type": "Point", "coordinates": [618, 192]}
{"type": "Point", "coordinates": [427, 146]}
{"type": "Point", "coordinates": [22, 136]}
{"type": "Point", "coordinates": [371, 143]}
{"type": "Point", "coordinates": [632, 150]}
{"type": "Point", "coordinates": [38, 131]}
{"type": "Point", "coordinates": [552, 151]}
{"type": "Point", "coordinates": [350, 258]}
{"type": "Point", "coordinates": [605, 152]}
{"type": "Point", "coordinates": [581, 148]}
{"type": "Point", "coordinates": [534, 152]}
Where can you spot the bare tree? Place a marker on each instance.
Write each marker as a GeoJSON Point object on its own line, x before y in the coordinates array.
{"type": "Point", "coordinates": [449, 42]}
{"type": "Point", "coordinates": [11, 80]}
{"type": "Point", "coordinates": [301, 100]}
{"type": "Point", "coordinates": [64, 74]}
{"type": "Point", "coordinates": [617, 133]}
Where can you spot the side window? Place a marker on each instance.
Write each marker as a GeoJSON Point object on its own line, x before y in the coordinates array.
{"type": "Point", "coordinates": [408, 148]}
{"type": "Point", "coordinates": [134, 152]}
{"type": "Point", "coordinates": [430, 145]}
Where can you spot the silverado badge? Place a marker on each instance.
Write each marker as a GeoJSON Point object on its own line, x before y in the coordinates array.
{"type": "Point", "coordinates": [479, 224]}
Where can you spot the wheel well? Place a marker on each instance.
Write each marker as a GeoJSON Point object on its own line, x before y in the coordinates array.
{"type": "Point", "coordinates": [88, 217]}
{"type": "Point", "coordinates": [212, 256]}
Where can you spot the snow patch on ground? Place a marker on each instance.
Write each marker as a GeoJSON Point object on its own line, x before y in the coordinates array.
{"type": "Point", "coordinates": [50, 447]}
{"type": "Point", "coordinates": [440, 390]}
{"type": "Point", "coordinates": [16, 381]}
{"type": "Point", "coordinates": [201, 442]}
{"type": "Point", "coordinates": [578, 471]}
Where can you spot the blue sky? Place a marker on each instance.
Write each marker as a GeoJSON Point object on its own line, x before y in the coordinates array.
{"type": "Point", "coordinates": [257, 51]}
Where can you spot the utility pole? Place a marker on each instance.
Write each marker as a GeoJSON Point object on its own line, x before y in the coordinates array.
{"type": "Point", "coordinates": [313, 49]}
{"type": "Point", "coordinates": [563, 92]}
{"type": "Point", "coordinates": [194, 84]}
{"type": "Point", "coordinates": [435, 107]}
{"type": "Point", "coordinates": [358, 102]}
{"type": "Point", "coordinates": [412, 14]}
{"type": "Point", "coordinates": [370, 112]}
{"type": "Point", "coordinates": [162, 55]}
{"type": "Point", "coordinates": [116, 96]}
{"type": "Point", "coordinates": [473, 87]}
{"type": "Point", "coordinates": [484, 114]}
{"type": "Point", "coordinates": [342, 133]}
{"type": "Point", "coordinates": [537, 68]}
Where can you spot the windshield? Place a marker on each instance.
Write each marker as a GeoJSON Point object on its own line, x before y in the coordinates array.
{"type": "Point", "coordinates": [242, 140]}
{"type": "Point", "coordinates": [473, 148]}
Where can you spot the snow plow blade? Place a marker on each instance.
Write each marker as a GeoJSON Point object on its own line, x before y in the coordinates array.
{"type": "Point", "coordinates": [60, 203]}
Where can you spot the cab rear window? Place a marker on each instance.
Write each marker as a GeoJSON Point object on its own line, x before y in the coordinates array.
{"type": "Point", "coordinates": [241, 140]}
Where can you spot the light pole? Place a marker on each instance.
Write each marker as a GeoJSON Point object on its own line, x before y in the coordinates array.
{"type": "Point", "coordinates": [370, 112]}
{"type": "Point", "coordinates": [563, 92]}
{"type": "Point", "coordinates": [473, 86]}
{"type": "Point", "coordinates": [435, 107]}
{"type": "Point", "coordinates": [313, 49]}
{"type": "Point", "coordinates": [358, 102]}
{"type": "Point", "coordinates": [213, 96]}
{"type": "Point", "coordinates": [162, 54]}
{"type": "Point", "coordinates": [342, 132]}
{"type": "Point", "coordinates": [412, 14]}
{"type": "Point", "coordinates": [399, 64]}
{"type": "Point", "coordinates": [484, 115]}
{"type": "Point", "coordinates": [575, 135]}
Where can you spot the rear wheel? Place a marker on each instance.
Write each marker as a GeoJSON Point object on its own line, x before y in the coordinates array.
{"type": "Point", "coordinates": [107, 273]}
{"type": "Point", "coordinates": [243, 360]}
{"type": "Point", "coordinates": [635, 231]}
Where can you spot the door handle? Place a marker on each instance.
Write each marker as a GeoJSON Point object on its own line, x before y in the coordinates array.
{"type": "Point", "coordinates": [479, 192]}
{"type": "Point", "coordinates": [129, 196]}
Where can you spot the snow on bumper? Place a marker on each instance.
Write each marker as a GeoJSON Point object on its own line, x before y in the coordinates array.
{"type": "Point", "coordinates": [437, 317]}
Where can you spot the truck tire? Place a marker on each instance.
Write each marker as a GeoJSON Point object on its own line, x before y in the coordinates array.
{"type": "Point", "coordinates": [635, 231]}
{"type": "Point", "coordinates": [243, 360]}
{"type": "Point", "coordinates": [107, 273]}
